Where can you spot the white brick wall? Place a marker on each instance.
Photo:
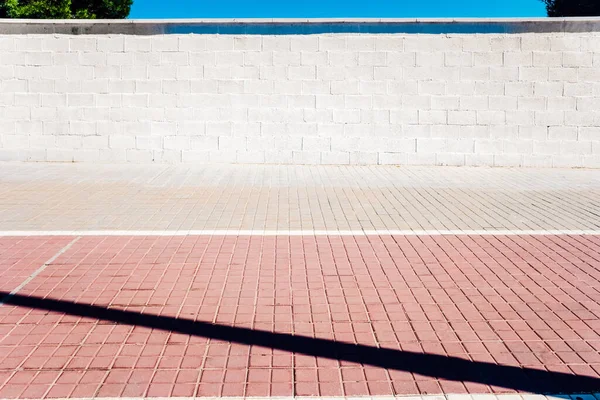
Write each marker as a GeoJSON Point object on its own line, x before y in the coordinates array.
{"type": "Point", "coordinates": [473, 99]}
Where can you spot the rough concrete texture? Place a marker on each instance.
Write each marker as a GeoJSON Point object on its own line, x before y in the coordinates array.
{"type": "Point", "coordinates": [494, 99]}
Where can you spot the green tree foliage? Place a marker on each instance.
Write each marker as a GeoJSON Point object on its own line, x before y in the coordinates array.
{"type": "Point", "coordinates": [572, 8]}
{"type": "Point", "coordinates": [65, 9]}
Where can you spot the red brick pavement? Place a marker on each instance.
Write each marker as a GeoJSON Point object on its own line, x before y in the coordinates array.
{"type": "Point", "coordinates": [530, 302]}
{"type": "Point", "coordinates": [20, 257]}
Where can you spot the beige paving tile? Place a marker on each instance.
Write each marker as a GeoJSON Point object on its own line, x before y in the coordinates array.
{"type": "Point", "coordinates": [151, 197]}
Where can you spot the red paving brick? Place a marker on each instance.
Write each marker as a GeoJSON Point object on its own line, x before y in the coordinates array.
{"type": "Point", "coordinates": [432, 314]}
{"type": "Point", "coordinates": [20, 257]}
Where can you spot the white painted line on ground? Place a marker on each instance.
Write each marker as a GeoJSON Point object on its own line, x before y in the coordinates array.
{"type": "Point", "coordinates": [329, 232]}
{"type": "Point", "coordinates": [39, 270]}
{"type": "Point", "coordinates": [573, 396]}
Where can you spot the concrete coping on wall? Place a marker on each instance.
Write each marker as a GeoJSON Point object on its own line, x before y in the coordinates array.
{"type": "Point", "coordinates": [301, 26]}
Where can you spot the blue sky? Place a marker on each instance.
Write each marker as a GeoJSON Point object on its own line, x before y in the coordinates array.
{"type": "Point", "coordinates": [335, 8]}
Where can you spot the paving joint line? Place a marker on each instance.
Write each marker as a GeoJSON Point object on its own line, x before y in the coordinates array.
{"type": "Point", "coordinates": [38, 271]}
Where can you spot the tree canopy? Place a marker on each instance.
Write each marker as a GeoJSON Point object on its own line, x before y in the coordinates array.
{"type": "Point", "coordinates": [572, 8]}
{"type": "Point", "coordinates": [65, 9]}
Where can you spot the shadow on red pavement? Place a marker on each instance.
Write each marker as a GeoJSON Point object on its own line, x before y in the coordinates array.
{"type": "Point", "coordinates": [437, 366]}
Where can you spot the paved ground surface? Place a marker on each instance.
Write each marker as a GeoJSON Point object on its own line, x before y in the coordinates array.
{"type": "Point", "coordinates": [327, 315]}
{"type": "Point", "coordinates": [74, 197]}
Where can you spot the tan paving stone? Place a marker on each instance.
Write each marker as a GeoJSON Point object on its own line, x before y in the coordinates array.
{"type": "Point", "coordinates": [228, 197]}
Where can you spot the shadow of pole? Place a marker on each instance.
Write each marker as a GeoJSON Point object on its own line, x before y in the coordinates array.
{"type": "Point", "coordinates": [432, 365]}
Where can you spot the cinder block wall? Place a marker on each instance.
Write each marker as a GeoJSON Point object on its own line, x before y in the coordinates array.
{"type": "Point", "coordinates": [529, 98]}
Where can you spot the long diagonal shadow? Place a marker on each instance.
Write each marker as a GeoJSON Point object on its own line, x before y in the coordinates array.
{"type": "Point", "coordinates": [432, 365]}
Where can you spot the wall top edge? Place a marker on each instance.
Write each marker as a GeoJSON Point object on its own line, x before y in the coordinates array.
{"type": "Point", "coordinates": [300, 26]}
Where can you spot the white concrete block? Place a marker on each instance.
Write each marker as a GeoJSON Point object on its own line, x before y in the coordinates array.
{"type": "Point", "coordinates": [247, 43]}
{"type": "Point", "coordinates": [504, 74]}
{"type": "Point", "coordinates": [502, 103]}
{"type": "Point", "coordinates": [390, 158]}
{"type": "Point", "coordinates": [491, 117]}
{"type": "Point", "coordinates": [520, 117]}
{"type": "Point", "coordinates": [139, 156]}
{"type": "Point", "coordinates": [427, 59]}
{"type": "Point", "coordinates": [571, 148]}
{"type": "Point", "coordinates": [18, 141]}
{"type": "Point", "coordinates": [121, 142]}
{"type": "Point", "coordinates": [315, 87]}
{"type": "Point", "coordinates": [380, 117]}
{"type": "Point", "coordinates": [565, 43]}
{"type": "Point", "coordinates": [518, 147]}
{"type": "Point", "coordinates": [363, 158]}
{"type": "Point", "coordinates": [535, 42]}
{"type": "Point", "coordinates": [283, 43]}
{"type": "Point", "coordinates": [196, 156]}
{"type": "Point", "coordinates": [576, 59]}
{"type": "Point", "coordinates": [287, 58]}
{"type": "Point", "coordinates": [458, 58]}
{"type": "Point", "coordinates": [133, 43]}
{"type": "Point", "coordinates": [304, 43]}
{"type": "Point", "coordinates": [533, 74]}
{"type": "Point", "coordinates": [537, 161]}
{"type": "Point", "coordinates": [344, 87]}
{"type": "Point", "coordinates": [589, 133]}
{"type": "Point", "coordinates": [373, 58]}
{"type": "Point", "coordinates": [335, 158]}
{"type": "Point", "coordinates": [505, 132]}
{"type": "Point", "coordinates": [549, 118]}
{"type": "Point", "coordinates": [314, 58]}
{"type": "Point", "coordinates": [391, 43]}
{"type": "Point", "coordinates": [120, 59]}
{"type": "Point", "coordinates": [487, 88]}
{"type": "Point", "coordinates": [346, 116]}
{"type": "Point", "coordinates": [474, 103]}
{"type": "Point", "coordinates": [250, 157]}
{"type": "Point", "coordinates": [342, 59]}
{"type": "Point", "coordinates": [332, 43]}
{"type": "Point", "coordinates": [546, 147]}
{"type": "Point", "coordinates": [279, 156]}
{"type": "Point", "coordinates": [571, 161]}
{"type": "Point", "coordinates": [112, 155]}
{"type": "Point", "coordinates": [110, 43]}
{"type": "Point", "coordinates": [360, 43]}
{"type": "Point", "coordinates": [452, 159]}
{"type": "Point", "coordinates": [562, 133]}
{"type": "Point", "coordinates": [288, 87]}
{"type": "Point", "coordinates": [60, 155]}
{"type": "Point", "coordinates": [149, 142]}
{"type": "Point", "coordinates": [547, 59]}
{"type": "Point", "coordinates": [476, 43]}
{"type": "Point", "coordinates": [561, 103]}
{"type": "Point", "coordinates": [462, 117]}
{"type": "Point", "coordinates": [401, 59]}
{"type": "Point", "coordinates": [403, 87]}
{"type": "Point", "coordinates": [430, 145]}
{"type": "Point", "coordinates": [219, 128]}
{"type": "Point", "coordinates": [506, 43]}
{"type": "Point", "coordinates": [306, 158]}
{"type": "Point", "coordinates": [518, 58]}
{"type": "Point", "coordinates": [474, 131]}
{"type": "Point", "coordinates": [176, 142]}
{"type": "Point", "coordinates": [563, 74]}
{"type": "Point", "coordinates": [316, 143]}
{"type": "Point", "coordinates": [490, 58]}
{"type": "Point", "coordinates": [318, 116]}
{"type": "Point", "coordinates": [479, 160]}
{"type": "Point", "coordinates": [508, 160]}
{"type": "Point", "coordinates": [429, 117]}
